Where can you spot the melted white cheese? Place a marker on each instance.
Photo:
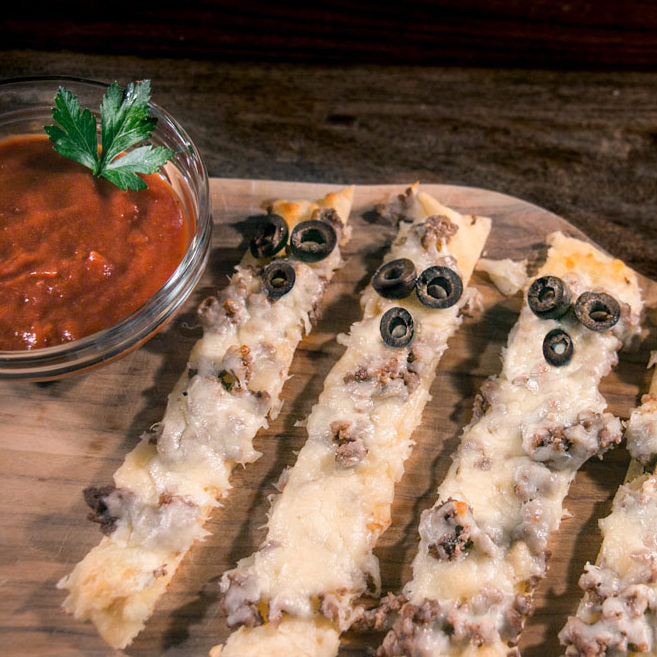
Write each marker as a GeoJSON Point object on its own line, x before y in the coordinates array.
{"type": "Point", "coordinates": [508, 276]}
{"type": "Point", "coordinates": [324, 525]}
{"type": "Point", "coordinates": [618, 612]}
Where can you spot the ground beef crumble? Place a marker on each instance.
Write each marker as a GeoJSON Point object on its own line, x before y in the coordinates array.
{"type": "Point", "coordinates": [393, 377]}
{"type": "Point", "coordinates": [561, 446]}
{"type": "Point", "coordinates": [450, 531]}
{"type": "Point", "coordinates": [436, 230]}
{"type": "Point", "coordinates": [96, 497]}
{"type": "Point", "coordinates": [240, 601]}
{"type": "Point", "coordinates": [350, 446]}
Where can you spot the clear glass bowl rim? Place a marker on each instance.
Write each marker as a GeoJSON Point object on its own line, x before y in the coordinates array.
{"type": "Point", "coordinates": [50, 363]}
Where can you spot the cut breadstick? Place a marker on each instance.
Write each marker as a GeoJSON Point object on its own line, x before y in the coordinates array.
{"type": "Point", "coordinates": [168, 485]}
{"type": "Point", "coordinates": [296, 593]}
{"type": "Point", "coordinates": [617, 615]}
{"type": "Point", "coordinates": [483, 544]}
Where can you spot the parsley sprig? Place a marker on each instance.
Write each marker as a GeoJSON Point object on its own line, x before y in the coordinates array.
{"type": "Point", "coordinates": [125, 122]}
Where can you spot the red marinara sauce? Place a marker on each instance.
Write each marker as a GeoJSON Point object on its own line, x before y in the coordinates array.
{"type": "Point", "coordinates": [77, 254]}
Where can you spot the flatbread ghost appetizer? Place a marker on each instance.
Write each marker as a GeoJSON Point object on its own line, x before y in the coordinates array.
{"type": "Point", "coordinates": [168, 485]}
{"type": "Point", "coordinates": [295, 595]}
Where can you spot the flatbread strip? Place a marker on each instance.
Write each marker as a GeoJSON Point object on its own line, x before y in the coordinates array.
{"type": "Point", "coordinates": [483, 544]}
{"type": "Point", "coordinates": [168, 485]}
{"type": "Point", "coordinates": [617, 615]}
{"type": "Point", "coordinates": [297, 592]}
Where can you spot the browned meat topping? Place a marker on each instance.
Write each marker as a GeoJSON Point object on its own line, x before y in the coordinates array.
{"type": "Point", "coordinates": [160, 572]}
{"type": "Point", "coordinates": [211, 312]}
{"type": "Point", "coordinates": [330, 216]}
{"type": "Point", "coordinates": [559, 447]}
{"type": "Point", "coordinates": [484, 399]}
{"type": "Point", "coordinates": [351, 448]}
{"type": "Point", "coordinates": [240, 601]}
{"type": "Point", "coordinates": [450, 531]}
{"type": "Point", "coordinates": [621, 610]}
{"type": "Point", "coordinates": [479, 407]}
{"type": "Point", "coordinates": [393, 378]}
{"type": "Point", "coordinates": [262, 397]}
{"type": "Point", "coordinates": [95, 498]}
{"type": "Point", "coordinates": [208, 311]}
{"type": "Point", "coordinates": [228, 306]}
{"type": "Point", "coordinates": [534, 482]}
{"type": "Point", "coordinates": [231, 308]}
{"type": "Point", "coordinates": [401, 640]}
{"type": "Point", "coordinates": [436, 230]}
{"type": "Point", "coordinates": [398, 210]}
{"type": "Point", "coordinates": [487, 618]}
{"type": "Point", "coordinates": [379, 617]}
{"type": "Point", "coordinates": [331, 605]}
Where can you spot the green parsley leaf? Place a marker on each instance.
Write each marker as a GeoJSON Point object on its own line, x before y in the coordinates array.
{"type": "Point", "coordinates": [125, 123]}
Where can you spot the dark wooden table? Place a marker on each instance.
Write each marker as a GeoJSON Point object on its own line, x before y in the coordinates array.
{"type": "Point", "coordinates": [581, 144]}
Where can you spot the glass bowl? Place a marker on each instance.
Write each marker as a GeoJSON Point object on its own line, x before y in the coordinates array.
{"type": "Point", "coordinates": [25, 107]}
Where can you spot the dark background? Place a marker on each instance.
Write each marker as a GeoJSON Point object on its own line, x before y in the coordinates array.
{"type": "Point", "coordinates": [554, 102]}
{"type": "Point", "coordinates": [544, 33]}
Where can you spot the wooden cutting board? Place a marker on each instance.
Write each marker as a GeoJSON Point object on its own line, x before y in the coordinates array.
{"type": "Point", "coordinates": [58, 439]}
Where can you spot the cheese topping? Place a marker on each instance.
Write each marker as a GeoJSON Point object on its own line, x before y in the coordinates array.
{"type": "Point", "coordinates": [508, 276]}
{"type": "Point", "coordinates": [617, 614]}
{"type": "Point", "coordinates": [317, 557]}
{"type": "Point", "coordinates": [168, 484]}
{"type": "Point", "coordinates": [483, 543]}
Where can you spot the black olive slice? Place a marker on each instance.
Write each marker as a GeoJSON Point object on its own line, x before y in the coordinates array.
{"type": "Point", "coordinates": [271, 236]}
{"type": "Point", "coordinates": [395, 279]}
{"type": "Point", "coordinates": [312, 240]}
{"type": "Point", "coordinates": [597, 311]}
{"type": "Point", "coordinates": [439, 287]}
{"type": "Point", "coordinates": [397, 327]}
{"type": "Point", "coordinates": [558, 347]}
{"type": "Point", "coordinates": [549, 297]}
{"type": "Point", "coordinates": [278, 278]}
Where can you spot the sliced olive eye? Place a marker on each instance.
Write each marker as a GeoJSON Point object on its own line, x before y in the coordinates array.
{"type": "Point", "coordinates": [397, 327]}
{"type": "Point", "coordinates": [597, 311]}
{"type": "Point", "coordinates": [558, 347]}
{"type": "Point", "coordinates": [313, 240]}
{"type": "Point", "coordinates": [278, 278]}
{"type": "Point", "coordinates": [549, 297]}
{"type": "Point", "coordinates": [395, 279]}
{"type": "Point", "coordinates": [439, 287]}
{"type": "Point", "coordinates": [271, 236]}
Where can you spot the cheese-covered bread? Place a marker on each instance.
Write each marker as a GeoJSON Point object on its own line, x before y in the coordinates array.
{"type": "Point", "coordinates": [168, 485]}
{"type": "Point", "coordinates": [295, 595]}
{"type": "Point", "coordinates": [483, 544]}
{"type": "Point", "coordinates": [617, 615]}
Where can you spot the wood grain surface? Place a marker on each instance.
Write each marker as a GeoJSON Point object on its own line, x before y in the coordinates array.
{"type": "Point", "coordinates": [59, 438]}
{"type": "Point", "coordinates": [580, 144]}
{"type": "Point", "coordinates": [577, 33]}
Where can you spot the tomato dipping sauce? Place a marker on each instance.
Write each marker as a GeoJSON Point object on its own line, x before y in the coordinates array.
{"type": "Point", "coordinates": [77, 254]}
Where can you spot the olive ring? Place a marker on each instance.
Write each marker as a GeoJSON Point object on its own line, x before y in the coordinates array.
{"type": "Point", "coordinates": [271, 236]}
{"type": "Point", "coordinates": [278, 278]}
{"type": "Point", "coordinates": [397, 327]}
{"type": "Point", "coordinates": [597, 311]}
{"type": "Point", "coordinates": [558, 347]}
{"type": "Point", "coordinates": [395, 279]}
{"type": "Point", "coordinates": [439, 287]}
{"type": "Point", "coordinates": [548, 297]}
{"type": "Point", "coordinates": [312, 240]}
